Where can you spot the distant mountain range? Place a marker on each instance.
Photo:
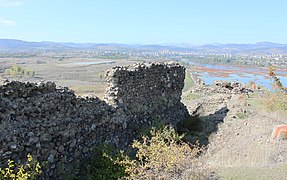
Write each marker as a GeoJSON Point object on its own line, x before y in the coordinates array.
{"type": "Point", "coordinates": [13, 45]}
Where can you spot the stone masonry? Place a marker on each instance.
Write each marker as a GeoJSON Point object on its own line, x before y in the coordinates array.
{"type": "Point", "coordinates": [59, 128]}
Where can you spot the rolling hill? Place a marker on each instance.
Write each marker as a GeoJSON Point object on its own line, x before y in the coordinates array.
{"type": "Point", "coordinates": [13, 45]}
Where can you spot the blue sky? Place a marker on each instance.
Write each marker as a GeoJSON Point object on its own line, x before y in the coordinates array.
{"type": "Point", "coordinates": [145, 21]}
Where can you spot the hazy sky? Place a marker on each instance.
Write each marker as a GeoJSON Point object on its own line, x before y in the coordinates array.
{"type": "Point", "coordinates": [145, 21]}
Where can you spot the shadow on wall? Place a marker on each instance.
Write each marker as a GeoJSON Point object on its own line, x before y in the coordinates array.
{"type": "Point", "coordinates": [56, 126]}
{"type": "Point", "coordinates": [198, 129]}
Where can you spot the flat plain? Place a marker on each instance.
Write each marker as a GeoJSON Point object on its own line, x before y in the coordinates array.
{"type": "Point", "coordinates": [86, 76]}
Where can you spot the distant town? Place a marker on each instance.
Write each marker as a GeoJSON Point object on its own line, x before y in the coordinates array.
{"type": "Point", "coordinates": [263, 54]}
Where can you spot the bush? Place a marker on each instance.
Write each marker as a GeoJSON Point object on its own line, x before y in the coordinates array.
{"type": "Point", "coordinates": [277, 85]}
{"type": "Point", "coordinates": [102, 165]}
{"type": "Point", "coordinates": [275, 101]}
{"type": "Point", "coordinates": [30, 170]}
{"type": "Point", "coordinates": [161, 155]}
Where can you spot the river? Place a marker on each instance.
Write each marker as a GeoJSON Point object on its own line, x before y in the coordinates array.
{"type": "Point", "coordinates": [209, 73]}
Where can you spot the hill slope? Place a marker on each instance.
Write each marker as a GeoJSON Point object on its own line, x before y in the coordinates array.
{"type": "Point", "coordinates": [12, 45]}
{"type": "Point", "coordinates": [237, 133]}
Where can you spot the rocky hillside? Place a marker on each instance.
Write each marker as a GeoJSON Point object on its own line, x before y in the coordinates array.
{"type": "Point", "coordinates": [236, 132]}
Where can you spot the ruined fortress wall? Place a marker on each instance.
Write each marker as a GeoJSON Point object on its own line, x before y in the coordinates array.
{"type": "Point", "coordinates": [52, 124]}
{"type": "Point", "coordinates": [57, 127]}
{"type": "Point", "coordinates": [145, 87]}
{"type": "Point", "coordinates": [152, 89]}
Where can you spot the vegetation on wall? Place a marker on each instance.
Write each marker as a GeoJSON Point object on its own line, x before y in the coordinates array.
{"type": "Point", "coordinates": [30, 170]}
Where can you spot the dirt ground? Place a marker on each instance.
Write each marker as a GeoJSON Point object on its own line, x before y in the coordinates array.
{"type": "Point", "coordinates": [238, 136]}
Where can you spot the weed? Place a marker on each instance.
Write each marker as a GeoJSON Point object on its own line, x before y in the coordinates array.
{"type": "Point", "coordinates": [30, 170]}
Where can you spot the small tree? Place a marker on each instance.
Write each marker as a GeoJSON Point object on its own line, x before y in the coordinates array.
{"type": "Point", "coordinates": [277, 85]}
{"type": "Point", "coordinates": [19, 71]}
{"type": "Point", "coordinates": [276, 102]}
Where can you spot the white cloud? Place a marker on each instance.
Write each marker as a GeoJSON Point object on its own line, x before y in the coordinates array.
{"type": "Point", "coordinates": [7, 3]}
{"type": "Point", "coordinates": [7, 22]}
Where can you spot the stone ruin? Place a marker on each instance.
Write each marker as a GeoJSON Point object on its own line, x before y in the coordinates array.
{"type": "Point", "coordinates": [147, 91]}
{"type": "Point", "coordinates": [57, 127]}
{"type": "Point", "coordinates": [219, 86]}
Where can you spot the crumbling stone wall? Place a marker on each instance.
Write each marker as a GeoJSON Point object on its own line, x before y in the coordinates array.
{"type": "Point", "coordinates": [52, 124]}
{"type": "Point", "coordinates": [57, 127]}
{"type": "Point", "coordinates": [148, 91]}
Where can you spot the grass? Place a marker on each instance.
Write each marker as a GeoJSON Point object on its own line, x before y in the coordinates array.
{"type": "Point", "coordinates": [272, 172]}
{"type": "Point", "coordinates": [271, 103]}
{"type": "Point", "coordinates": [191, 96]}
{"type": "Point", "coordinates": [241, 115]}
{"type": "Point", "coordinates": [97, 90]}
{"type": "Point", "coordinates": [188, 82]}
{"type": "Point", "coordinates": [82, 89]}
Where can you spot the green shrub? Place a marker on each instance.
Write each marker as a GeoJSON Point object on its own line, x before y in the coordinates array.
{"type": "Point", "coordinates": [156, 123]}
{"type": "Point", "coordinates": [160, 154]}
{"type": "Point", "coordinates": [102, 165]}
{"type": "Point", "coordinates": [30, 170]}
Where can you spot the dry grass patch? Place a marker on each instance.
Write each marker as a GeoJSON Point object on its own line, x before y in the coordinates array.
{"type": "Point", "coordinates": [263, 173]}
